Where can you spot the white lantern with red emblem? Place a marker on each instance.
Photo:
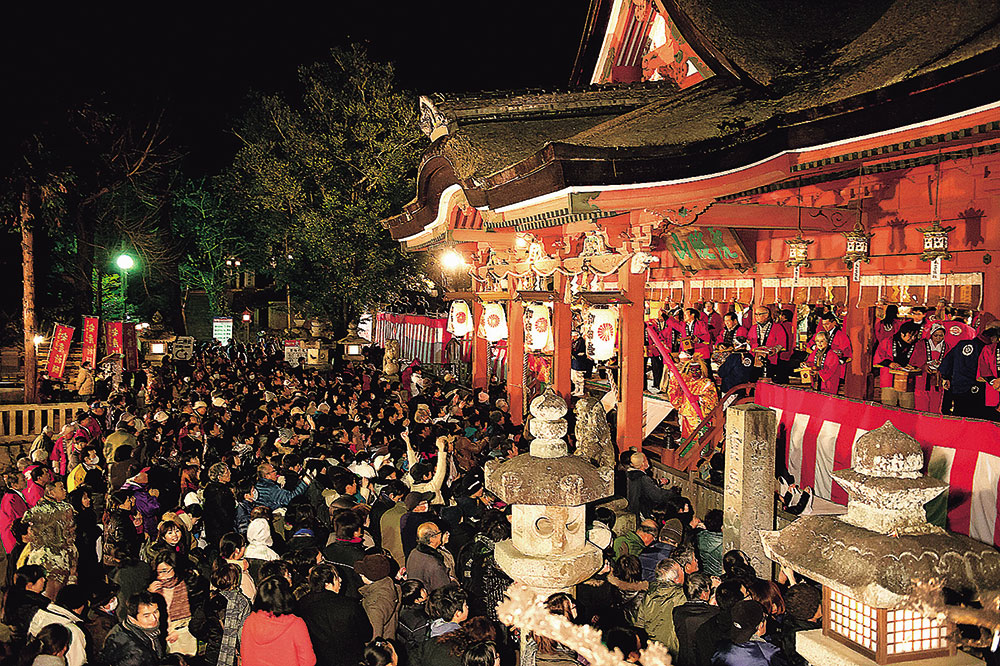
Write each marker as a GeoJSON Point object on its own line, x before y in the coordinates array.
{"type": "Point", "coordinates": [494, 323]}
{"type": "Point", "coordinates": [459, 319]}
{"type": "Point", "coordinates": [537, 327]}
{"type": "Point", "coordinates": [602, 333]}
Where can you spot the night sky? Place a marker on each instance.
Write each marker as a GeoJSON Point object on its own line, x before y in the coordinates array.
{"type": "Point", "coordinates": [197, 62]}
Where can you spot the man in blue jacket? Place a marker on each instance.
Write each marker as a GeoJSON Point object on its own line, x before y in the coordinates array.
{"type": "Point", "coordinates": [746, 645]}
{"type": "Point", "coordinates": [272, 495]}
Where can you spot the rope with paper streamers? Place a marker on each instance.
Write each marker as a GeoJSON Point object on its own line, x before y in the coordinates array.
{"type": "Point", "coordinates": [525, 610]}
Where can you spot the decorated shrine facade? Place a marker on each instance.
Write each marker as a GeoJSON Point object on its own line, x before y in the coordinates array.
{"type": "Point", "coordinates": [786, 159]}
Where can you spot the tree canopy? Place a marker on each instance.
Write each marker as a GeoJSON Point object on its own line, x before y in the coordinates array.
{"type": "Point", "coordinates": [315, 176]}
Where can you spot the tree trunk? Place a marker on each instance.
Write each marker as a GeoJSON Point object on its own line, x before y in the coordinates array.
{"type": "Point", "coordinates": [85, 260]}
{"type": "Point", "coordinates": [28, 300]}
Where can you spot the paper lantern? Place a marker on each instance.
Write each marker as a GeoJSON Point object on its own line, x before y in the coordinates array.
{"type": "Point", "coordinates": [459, 319]}
{"type": "Point", "coordinates": [537, 327]}
{"type": "Point", "coordinates": [602, 333]}
{"type": "Point", "coordinates": [494, 324]}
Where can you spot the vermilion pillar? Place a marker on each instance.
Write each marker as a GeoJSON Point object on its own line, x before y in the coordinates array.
{"type": "Point", "coordinates": [515, 360]}
{"type": "Point", "coordinates": [562, 328]}
{"type": "Point", "coordinates": [480, 355]}
{"type": "Point", "coordinates": [632, 352]}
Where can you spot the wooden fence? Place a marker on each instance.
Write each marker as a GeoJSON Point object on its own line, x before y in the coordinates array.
{"type": "Point", "coordinates": [24, 422]}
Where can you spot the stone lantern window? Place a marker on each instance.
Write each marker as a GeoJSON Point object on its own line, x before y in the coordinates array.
{"type": "Point", "coordinates": [871, 559]}
{"type": "Point", "coordinates": [885, 636]}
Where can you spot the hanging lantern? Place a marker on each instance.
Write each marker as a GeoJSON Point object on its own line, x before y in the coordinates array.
{"type": "Point", "coordinates": [494, 323]}
{"type": "Point", "coordinates": [935, 246]}
{"type": "Point", "coordinates": [858, 244]}
{"type": "Point", "coordinates": [537, 327]}
{"type": "Point", "coordinates": [602, 332]}
{"type": "Point", "coordinates": [459, 319]}
{"type": "Point", "coordinates": [798, 252]}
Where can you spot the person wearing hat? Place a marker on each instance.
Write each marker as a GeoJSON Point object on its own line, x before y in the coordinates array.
{"type": "Point", "coordinates": [380, 596]}
{"type": "Point", "coordinates": [634, 542]}
{"type": "Point", "coordinates": [666, 541]}
{"type": "Point", "coordinates": [701, 393]}
{"type": "Point", "coordinates": [745, 645]}
{"type": "Point", "coordinates": [101, 618]}
{"type": "Point", "coordinates": [425, 563]}
{"type": "Point", "coordinates": [124, 434]}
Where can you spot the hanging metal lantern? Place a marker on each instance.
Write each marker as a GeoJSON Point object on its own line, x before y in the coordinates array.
{"type": "Point", "coordinates": [935, 246]}
{"type": "Point", "coordinates": [858, 244]}
{"type": "Point", "coordinates": [798, 252]}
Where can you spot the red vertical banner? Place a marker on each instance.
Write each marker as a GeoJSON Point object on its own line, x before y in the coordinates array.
{"type": "Point", "coordinates": [131, 347]}
{"type": "Point", "coordinates": [91, 331]}
{"type": "Point", "coordinates": [113, 343]}
{"type": "Point", "coordinates": [62, 337]}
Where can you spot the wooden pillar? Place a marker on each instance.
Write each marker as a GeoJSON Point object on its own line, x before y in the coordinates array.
{"type": "Point", "coordinates": [632, 353]}
{"type": "Point", "coordinates": [480, 353]}
{"type": "Point", "coordinates": [515, 360]}
{"type": "Point", "coordinates": [858, 329]}
{"type": "Point", "coordinates": [562, 342]}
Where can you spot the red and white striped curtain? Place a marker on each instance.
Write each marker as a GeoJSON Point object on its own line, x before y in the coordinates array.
{"type": "Point", "coordinates": [820, 431]}
{"type": "Point", "coordinates": [420, 337]}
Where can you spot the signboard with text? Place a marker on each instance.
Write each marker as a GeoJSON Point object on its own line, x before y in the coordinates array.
{"type": "Point", "coordinates": [62, 337]}
{"type": "Point", "coordinates": [184, 348]}
{"type": "Point", "coordinates": [91, 331]}
{"type": "Point", "coordinates": [130, 347]}
{"type": "Point", "coordinates": [222, 329]}
{"type": "Point", "coordinates": [706, 248]}
{"type": "Point", "coordinates": [113, 343]}
{"type": "Point", "coordinates": [295, 351]}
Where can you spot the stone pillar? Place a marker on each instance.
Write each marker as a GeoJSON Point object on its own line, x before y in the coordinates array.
{"type": "Point", "coordinates": [749, 484]}
{"type": "Point", "coordinates": [632, 355]}
{"type": "Point", "coordinates": [562, 341]}
{"type": "Point", "coordinates": [480, 353]}
{"type": "Point", "coordinates": [515, 360]}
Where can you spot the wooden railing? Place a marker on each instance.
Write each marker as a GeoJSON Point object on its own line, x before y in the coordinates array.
{"type": "Point", "coordinates": [24, 422]}
{"type": "Point", "coordinates": [710, 433]}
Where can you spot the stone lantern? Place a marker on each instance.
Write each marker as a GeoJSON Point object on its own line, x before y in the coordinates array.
{"type": "Point", "coordinates": [548, 489]}
{"type": "Point", "coordinates": [155, 340]}
{"type": "Point", "coordinates": [353, 343]}
{"type": "Point", "coordinates": [868, 560]}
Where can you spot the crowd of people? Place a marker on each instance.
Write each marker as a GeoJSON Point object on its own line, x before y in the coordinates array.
{"type": "Point", "coordinates": [236, 509]}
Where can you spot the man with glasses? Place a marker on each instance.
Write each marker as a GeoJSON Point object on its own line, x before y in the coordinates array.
{"type": "Point", "coordinates": [426, 562]}
{"type": "Point", "coordinates": [768, 340]}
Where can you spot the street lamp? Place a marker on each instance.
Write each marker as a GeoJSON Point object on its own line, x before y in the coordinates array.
{"type": "Point", "coordinates": [125, 263]}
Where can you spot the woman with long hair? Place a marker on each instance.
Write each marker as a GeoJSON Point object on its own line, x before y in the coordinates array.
{"type": "Point", "coordinates": [88, 565]}
{"type": "Point", "coordinates": [548, 652]}
{"type": "Point", "coordinates": [184, 594]}
{"type": "Point", "coordinates": [228, 608]}
{"type": "Point", "coordinates": [171, 536]}
{"type": "Point", "coordinates": [272, 635]}
{"type": "Point", "coordinates": [888, 325]}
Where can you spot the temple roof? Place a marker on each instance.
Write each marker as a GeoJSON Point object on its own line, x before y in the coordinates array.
{"type": "Point", "coordinates": [797, 75]}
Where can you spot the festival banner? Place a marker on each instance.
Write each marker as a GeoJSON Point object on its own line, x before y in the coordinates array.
{"type": "Point", "coordinates": [62, 337]}
{"type": "Point", "coordinates": [130, 347]}
{"type": "Point", "coordinates": [91, 331]}
{"type": "Point", "coordinates": [817, 432]}
{"type": "Point", "coordinates": [113, 343]}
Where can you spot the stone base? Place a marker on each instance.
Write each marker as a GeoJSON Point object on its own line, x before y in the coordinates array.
{"type": "Point", "coordinates": [548, 574]}
{"type": "Point", "coordinates": [820, 650]}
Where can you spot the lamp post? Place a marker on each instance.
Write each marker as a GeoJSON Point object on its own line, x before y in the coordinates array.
{"type": "Point", "coordinates": [125, 263]}
{"type": "Point", "coordinates": [247, 318]}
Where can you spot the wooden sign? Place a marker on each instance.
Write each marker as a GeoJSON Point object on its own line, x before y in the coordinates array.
{"type": "Point", "coordinates": [706, 248]}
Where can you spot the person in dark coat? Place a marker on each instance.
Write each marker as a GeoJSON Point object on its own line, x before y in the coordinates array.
{"type": "Point", "coordinates": [219, 504]}
{"type": "Point", "coordinates": [803, 612]}
{"type": "Point", "coordinates": [338, 625]}
{"type": "Point", "coordinates": [346, 550]}
{"type": "Point", "coordinates": [644, 494]}
{"type": "Point", "coordinates": [745, 645]}
{"type": "Point", "coordinates": [137, 640]}
{"type": "Point", "coordinates": [24, 599]}
{"type": "Point", "coordinates": [691, 615]}
{"type": "Point", "coordinates": [727, 595]}
{"type": "Point", "coordinates": [425, 563]}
